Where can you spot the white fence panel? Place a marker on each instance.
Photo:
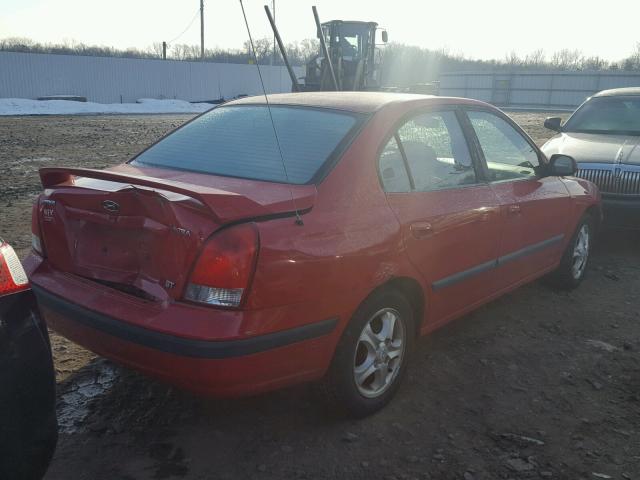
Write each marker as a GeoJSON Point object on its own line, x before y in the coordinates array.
{"type": "Point", "coordinates": [556, 89]}
{"type": "Point", "coordinates": [114, 80]}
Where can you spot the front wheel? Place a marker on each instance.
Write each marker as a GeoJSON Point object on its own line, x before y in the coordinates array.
{"type": "Point", "coordinates": [573, 266]}
{"type": "Point", "coordinates": [372, 355]}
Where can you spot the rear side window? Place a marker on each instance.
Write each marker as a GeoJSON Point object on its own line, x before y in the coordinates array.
{"type": "Point", "coordinates": [392, 168]}
{"type": "Point", "coordinates": [436, 154]}
{"type": "Point", "coordinates": [239, 141]}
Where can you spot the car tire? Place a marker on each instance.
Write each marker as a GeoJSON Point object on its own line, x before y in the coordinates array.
{"type": "Point", "coordinates": [573, 265]}
{"type": "Point", "coordinates": [363, 376]}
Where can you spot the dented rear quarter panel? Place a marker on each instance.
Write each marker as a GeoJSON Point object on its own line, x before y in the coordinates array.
{"type": "Point", "coordinates": [349, 245]}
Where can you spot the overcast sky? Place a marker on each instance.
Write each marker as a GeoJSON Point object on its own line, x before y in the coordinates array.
{"type": "Point", "coordinates": [478, 29]}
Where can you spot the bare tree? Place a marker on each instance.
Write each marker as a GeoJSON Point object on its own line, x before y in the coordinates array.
{"type": "Point", "coordinates": [535, 59]}
{"type": "Point", "coordinates": [308, 48]}
{"type": "Point", "coordinates": [512, 59]}
{"type": "Point", "coordinates": [401, 64]}
{"type": "Point", "coordinates": [263, 47]}
{"type": "Point", "coordinates": [155, 49]}
{"type": "Point", "coordinates": [180, 51]}
{"type": "Point", "coordinates": [595, 63]}
{"type": "Point", "coordinates": [632, 62]}
{"type": "Point", "coordinates": [566, 59]}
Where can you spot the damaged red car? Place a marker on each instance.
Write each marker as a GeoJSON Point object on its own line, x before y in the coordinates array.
{"type": "Point", "coordinates": [313, 237]}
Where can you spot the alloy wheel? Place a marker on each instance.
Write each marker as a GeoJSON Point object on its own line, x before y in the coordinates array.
{"type": "Point", "coordinates": [379, 353]}
{"type": "Point", "coordinates": [581, 252]}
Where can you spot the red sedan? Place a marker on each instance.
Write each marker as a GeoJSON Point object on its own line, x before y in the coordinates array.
{"type": "Point", "coordinates": [313, 237]}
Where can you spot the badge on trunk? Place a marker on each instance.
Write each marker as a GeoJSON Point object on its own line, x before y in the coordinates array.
{"type": "Point", "coordinates": [110, 206]}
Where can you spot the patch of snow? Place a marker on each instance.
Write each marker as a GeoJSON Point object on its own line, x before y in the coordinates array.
{"type": "Point", "coordinates": [23, 106]}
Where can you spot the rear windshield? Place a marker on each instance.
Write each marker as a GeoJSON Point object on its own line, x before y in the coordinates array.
{"type": "Point", "coordinates": [615, 115]}
{"type": "Point", "coordinates": [239, 141]}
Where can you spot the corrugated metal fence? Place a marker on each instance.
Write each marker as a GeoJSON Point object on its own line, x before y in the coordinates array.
{"type": "Point", "coordinates": [114, 80]}
{"type": "Point", "coordinates": [562, 90]}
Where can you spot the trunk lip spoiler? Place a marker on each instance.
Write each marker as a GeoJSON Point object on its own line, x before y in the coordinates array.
{"type": "Point", "coordinates": [60, 176]}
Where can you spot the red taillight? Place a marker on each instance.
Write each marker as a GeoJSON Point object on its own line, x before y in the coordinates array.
{"type": "Point", "coordinates": [223, 272]}
{"type": "Point", "coordinates": [12, 275]}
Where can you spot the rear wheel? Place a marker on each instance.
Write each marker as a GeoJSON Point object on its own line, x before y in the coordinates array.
{"type": "Point", "coordinates": [372, 355]}
{"type": "Point", "coordinates": [573, 266]}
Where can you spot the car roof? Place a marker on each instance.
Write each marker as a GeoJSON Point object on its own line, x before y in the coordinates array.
{"type": "Point", "coordinates": [360, 102]}
{"type": "Point", "coordinates": [618, 91]}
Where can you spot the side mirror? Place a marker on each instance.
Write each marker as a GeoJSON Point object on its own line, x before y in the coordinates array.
{"type": "Point", "coordinates": [385, 36]}
{"type": "Point", "coordinates": [553, 123]}
{"type": "Point", "coordinates": [562, 165]}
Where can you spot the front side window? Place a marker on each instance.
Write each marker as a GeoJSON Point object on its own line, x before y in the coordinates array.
{"type": "Point", "coordinates": [508, 154]}
{"type": "Point", "coordinates": [435, 152]}
{"type": "Point", "coordinates": [239, 141]}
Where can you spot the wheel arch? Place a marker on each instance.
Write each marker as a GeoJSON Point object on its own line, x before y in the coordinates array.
{"type": "Point", "coordinates": [411, 289]}
{"type": "Point", "coordinates": [595, 212]}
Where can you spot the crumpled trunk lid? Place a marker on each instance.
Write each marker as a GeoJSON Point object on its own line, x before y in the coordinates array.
{"type": "Point", "coordinates": [142, 234]}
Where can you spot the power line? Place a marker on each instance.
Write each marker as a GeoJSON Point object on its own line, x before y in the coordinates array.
{"type": "Point", "coordinates": [188, 27]}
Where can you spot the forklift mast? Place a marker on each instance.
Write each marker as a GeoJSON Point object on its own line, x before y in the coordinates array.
{"type": "Point", "coordinates": [347, 59]}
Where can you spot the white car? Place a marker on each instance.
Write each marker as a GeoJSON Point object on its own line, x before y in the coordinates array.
{"type": "Point", "coordinates": [603, 136]}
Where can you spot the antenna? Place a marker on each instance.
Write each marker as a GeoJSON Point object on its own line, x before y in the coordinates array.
{"type": "Point", "coordinates": [273, 124]}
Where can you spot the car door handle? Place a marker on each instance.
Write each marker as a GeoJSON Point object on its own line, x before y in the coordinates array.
{"type": "Point", "coordinates": [421, 229]}
{"type": "Point", "coordinates": [514, 209]}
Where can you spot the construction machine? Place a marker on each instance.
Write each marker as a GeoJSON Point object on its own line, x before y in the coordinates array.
{"type": "Point", "coordinates": [347, 60]}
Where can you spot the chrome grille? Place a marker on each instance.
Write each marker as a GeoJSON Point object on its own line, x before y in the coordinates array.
{"type": "Point", "coordinates": [630, 183]}
{"type": "Point", "coordinates": [627, 183]}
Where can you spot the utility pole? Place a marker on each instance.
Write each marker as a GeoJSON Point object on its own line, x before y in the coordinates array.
{"type": "Point", "coordinates": [273, 57]}
{"type": "Point", "coordinates": [202, 30]}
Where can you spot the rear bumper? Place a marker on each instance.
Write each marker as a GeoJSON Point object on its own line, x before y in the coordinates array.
{"type": "Point", "coordinates": [208, 366]}
{"type": "Point", "coordinates": [184, 347]}
{"type": "Point", "coordinates": [621, 212]}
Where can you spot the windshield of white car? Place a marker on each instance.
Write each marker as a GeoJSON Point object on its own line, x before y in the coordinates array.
{"type": "Point", "coordinates": [618, 115]}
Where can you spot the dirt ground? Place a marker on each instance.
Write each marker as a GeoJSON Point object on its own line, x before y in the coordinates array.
{"type": "Point", "coordinates": [535, 385]}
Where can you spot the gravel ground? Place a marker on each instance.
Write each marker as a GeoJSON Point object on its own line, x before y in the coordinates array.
{"type": "Point", "coordinates": [535, 385]}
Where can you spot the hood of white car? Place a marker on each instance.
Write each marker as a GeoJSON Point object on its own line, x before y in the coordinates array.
{"type": "Point", "coordinates": [600, 148]}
